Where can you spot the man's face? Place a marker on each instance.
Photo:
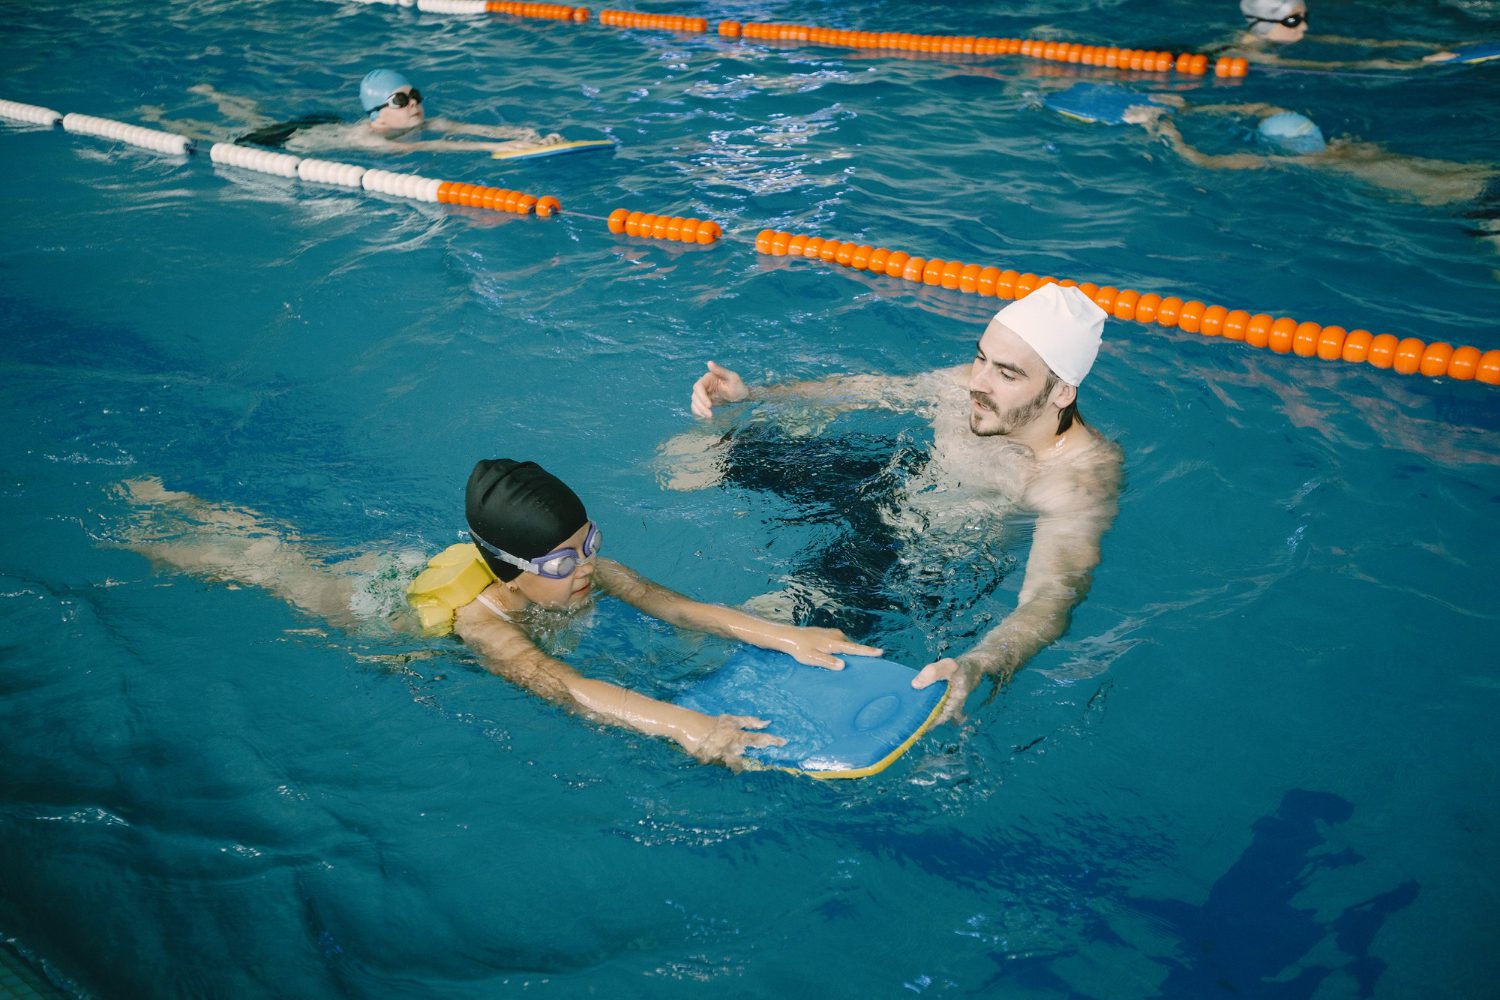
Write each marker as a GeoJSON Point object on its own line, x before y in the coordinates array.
{"type": "Point", "coordinates": [1010, 386]}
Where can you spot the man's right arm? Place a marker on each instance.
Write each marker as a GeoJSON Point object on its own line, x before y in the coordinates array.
{"type": "Point", "coordinates": [720, 386]}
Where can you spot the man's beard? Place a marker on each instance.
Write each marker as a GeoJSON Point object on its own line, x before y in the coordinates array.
{"type": "Point", "coordinates": [1006, 421]}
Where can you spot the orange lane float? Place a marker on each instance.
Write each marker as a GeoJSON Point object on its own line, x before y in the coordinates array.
{"type": "Point", "coordinates": [1107, 56]}
{"type": "Point", "coordinates": [1283, 335]}
{"type": "Point", "coordinates": [496, 199]}
{"type": "Point", "coordinates": [1104, 56]}
{"type": "Point", "coordinates": [545, 11]}
{"type": "Point", "coordinates": [665, 22]}
{"type": "Point", "coordinates": [664, 227]}
{"type": "Point", "coordinates": [1231, 66]}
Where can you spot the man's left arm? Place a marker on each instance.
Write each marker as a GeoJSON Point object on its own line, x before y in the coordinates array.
{"type": "Point", "coordinates": [1074, 513]}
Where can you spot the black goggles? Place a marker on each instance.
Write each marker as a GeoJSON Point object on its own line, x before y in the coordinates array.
{"type": "Point", "coordinates": [1290, 21]}
{"type": "Point", "coordinates": [402, 98]}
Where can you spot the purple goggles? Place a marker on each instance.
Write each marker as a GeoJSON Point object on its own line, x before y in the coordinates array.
{"type": "Point", "coordinates": [556, 565]}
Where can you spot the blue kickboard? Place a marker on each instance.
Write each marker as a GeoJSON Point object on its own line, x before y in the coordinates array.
{"type": "Point", "coordinates": [847, 723]}
{"type": "Point", "coordinates": [1104, 103]}
{"type": "Point", "coordinates": [1477, 52]}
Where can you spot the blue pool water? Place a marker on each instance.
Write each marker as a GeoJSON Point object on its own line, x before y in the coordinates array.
{"type": "Point", "coordinates": [1261, 762]}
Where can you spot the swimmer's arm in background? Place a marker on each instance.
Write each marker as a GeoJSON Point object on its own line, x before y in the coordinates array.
{"type": "Point", "coordinates": [1256, 108]}
{"type": "Point", "coordinates": [506, 650]}
{"type": "Point", "coordinates": [462, 145]}
{"type": "Point", "coordinates": [1074, 512]}
{"type": "Point", "coordinates": [1390, 43]}
{"type": "Point", "coordinates": [1163, 128]}
{"type": "Point", "coordinates": [720, 386]}
{"type": "Point", "coordinates": [526, 136]}
{"type": "Point", "coordinates": [1265, 58]}
{"type": "Point", "coordinates": [814, 646]}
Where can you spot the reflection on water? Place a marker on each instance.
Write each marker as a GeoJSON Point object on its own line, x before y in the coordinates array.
{"type": "Point", "coordinates": [1251, 937]}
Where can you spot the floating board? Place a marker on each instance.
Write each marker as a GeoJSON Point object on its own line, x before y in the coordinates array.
{"type": "Point", "coordinates": [1104, 103]}
{"type": "Point", "coordinates": [848, 723]}
{"type": "Point", "coordinates": [556, 149]}
{"type": "Point", "coordinates": [1478, 52]}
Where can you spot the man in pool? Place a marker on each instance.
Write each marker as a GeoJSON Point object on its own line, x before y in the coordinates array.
{"type": "Point", "coordinates": [541, 551]}
{"type": "Point", "coordinates": [1008, 422]}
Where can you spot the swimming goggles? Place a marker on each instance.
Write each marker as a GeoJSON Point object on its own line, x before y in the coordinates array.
{"type": "Point", "coordinates": [1290, 21]}
{"type": "Point", "coordinates": [401, 98]}
{"type": "Point", "coordinates": [556, 565]}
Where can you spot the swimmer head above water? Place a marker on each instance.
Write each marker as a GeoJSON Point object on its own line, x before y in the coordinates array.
{"type": "Point", "coordinates": [1275, 20]}
{"type": "Point", "coordinates": [532, 531]}
{"type": "Point", "coordinates": [1030, 361]}
{"type": "Point", "coordinates": [1063, 325]}
{"type": "Point", "coordinates": [390, 100]}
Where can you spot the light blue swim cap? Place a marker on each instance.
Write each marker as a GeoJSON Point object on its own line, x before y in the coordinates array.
{"type": "Point", "coordinates": [1293, 133]}
{"type": "Point", "coordinates": [378, 86]}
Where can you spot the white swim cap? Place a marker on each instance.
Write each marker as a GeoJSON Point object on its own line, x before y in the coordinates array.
{"type": "Point", "coordinates": [1272, 9]}
{"type": "Point", "coordinates": [1063, 325]}
{"type": "Point", "coordinates": [1265, 12]}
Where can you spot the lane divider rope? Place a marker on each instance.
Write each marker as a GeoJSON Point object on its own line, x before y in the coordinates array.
{"type": "Point", "coordinates": [1283, 335]}
{"type": "Point", "coordinates": [134, 135]}
{"type": "Point", "coordinates": [267, 161]}
{"type": "Point", "coordinates": [664, 227]}
{"type": "Point", "coordinates": [1104, 56]}
{"type": "Point", "coordinates": [30, 113]}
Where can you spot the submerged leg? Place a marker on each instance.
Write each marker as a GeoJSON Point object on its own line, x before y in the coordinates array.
{"type": "Point", "coordinates": [233, 545]}
{"type": "Point", "coordinates": [239, 109]}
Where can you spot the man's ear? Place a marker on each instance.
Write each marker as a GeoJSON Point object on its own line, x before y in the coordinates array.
{"type": "Point", "coordinates": [1063, 394]}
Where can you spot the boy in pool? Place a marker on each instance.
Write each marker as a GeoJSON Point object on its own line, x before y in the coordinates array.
{"type": "Point", "coordinates": [537, 540]}
{"type": "Point", "coordinates": [395, 116]}
{"type": "Point", "coordinates": [395, 110]}
{"type": "Point", "coordinates": [1006, 428]}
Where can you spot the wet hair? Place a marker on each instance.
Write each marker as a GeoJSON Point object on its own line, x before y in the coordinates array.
{"type": "Point", "coordinates": [520, 508]}
{"type": "Point", "coordinates": [1068, 414]}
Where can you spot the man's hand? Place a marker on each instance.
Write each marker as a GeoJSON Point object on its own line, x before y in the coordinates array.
{"type": "Point", "coordinates": [961, 679]}
{"type": "Point", "coordinates": [717, 387]}
{"type": "Point", "coordinates": [723, 739]}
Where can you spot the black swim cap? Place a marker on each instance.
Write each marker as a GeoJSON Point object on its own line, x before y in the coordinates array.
{"type": "Point", "coordinates": [521, 508]}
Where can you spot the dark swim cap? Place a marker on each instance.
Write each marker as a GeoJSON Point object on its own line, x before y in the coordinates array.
{"type": "Point", "coordinates": [521, 508]}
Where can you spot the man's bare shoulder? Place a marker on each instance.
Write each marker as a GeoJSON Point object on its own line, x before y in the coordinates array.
{"type": "Point", "coordinates": [1084, 478]}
